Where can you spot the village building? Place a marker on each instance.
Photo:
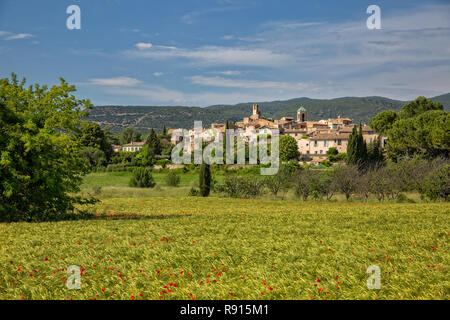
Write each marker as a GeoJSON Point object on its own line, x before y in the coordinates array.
{"type": "Point", "coordinates": [133, 146]}
{"type": "Point", "coordinates": [314, 138]}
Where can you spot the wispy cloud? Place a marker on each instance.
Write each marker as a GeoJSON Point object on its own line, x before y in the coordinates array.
{"type": "Point", "coordinates": [192, 16]}
{"type": "Point", "coordinates": [143, 45]}
{"type": "Point", "coordinates": [6, 35]}
{"type": "Point", "coordinates": [114, 82]}
{"type": "Point", "coordinates": [214, 55]}
{"type": "Point", "coordinates": [250, 84]}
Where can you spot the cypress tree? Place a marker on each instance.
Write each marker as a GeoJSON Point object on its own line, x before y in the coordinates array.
{"type": "Point", "coordinates": [357, 148]}
{"type": "Point", "coordinates": [205, 180]}
{"type": "Point", "coordinates": [154, 144]}
{"type": "Point", "coordinates": [362, 148]}
{"type": "Point", "coordinates": [352, 147]}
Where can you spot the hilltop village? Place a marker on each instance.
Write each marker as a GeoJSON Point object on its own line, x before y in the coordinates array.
{"type": "Point", "coordinates": [314, 138]}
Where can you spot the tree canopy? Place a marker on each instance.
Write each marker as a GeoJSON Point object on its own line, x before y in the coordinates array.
{"type": "Point", "coordinates": [40, 160]}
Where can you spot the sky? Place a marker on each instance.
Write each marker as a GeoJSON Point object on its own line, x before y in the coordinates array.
{"type": "Point", "coordinates": [200, 53]}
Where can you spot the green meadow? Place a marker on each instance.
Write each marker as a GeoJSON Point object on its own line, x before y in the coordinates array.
{"type": "Point", "coordinates": [160, 244]}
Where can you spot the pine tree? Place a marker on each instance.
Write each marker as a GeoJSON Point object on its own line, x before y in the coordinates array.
{"type": "Point", "coordinates": [205, 180]}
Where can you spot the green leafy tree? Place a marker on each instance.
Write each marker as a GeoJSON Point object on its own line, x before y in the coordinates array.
{"type": "Point", "coordinates": [205, 179]}
{"type": "Point", "coordinates": [437, 184]}
{"type": "Point", "coordinates": [383, 121]}
{"type": "Point", "coordinates": [91, 136]}
{"type": "Point", "coordinates": [288, 148]}
{"type": "Point", "coordinates": [41, 166]}
{"type": "Point", "coordinates": [129, 135]}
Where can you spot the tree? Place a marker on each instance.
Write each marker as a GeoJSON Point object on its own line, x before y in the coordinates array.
{"type": "Point", "coordinates": [205, 179]}
{"type": "Point", "coordinates": [419, 106]}
{"type": "Point", "coordinates": [437, 184]}
{"type": "Point", "coordinates": [346, 179]}
{"type": "Point", "coordinates": [154, 144]}
{"type": "Point", "coordinates": [383, 121]}
{"type": "Point", "coordinates": [288, 148]}
{"type": "Point", "coordinates": [302, 180]}
{"type": "Point", "coordinates": [280, 180]}
{"type": "Point", "coordinates": [94, 156]}
{"type": "Point", "coordinates": [356, 148]}
{"type": "Point", "coordinates": [91, 136]}
{"type": "Point", "coordinates": [40, 160]}
{"type": "Point", "coordinates": [427, 134]}
{"type": "Point", "coordinates": [375, 156]}
{"type": "Point", "coordinates": [129, 135]}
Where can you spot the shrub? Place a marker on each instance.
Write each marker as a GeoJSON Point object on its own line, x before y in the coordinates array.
{"type": "Point", "coordinates": [194, 192]}
{"type": "Point", "coordinates": [172, 179]}
{"type": "Point", "coordinates": [241, 187]}
{"type": "Point", "coordinates": [437, 184]}
{"type": "Point", "coordinates": [142, 178]}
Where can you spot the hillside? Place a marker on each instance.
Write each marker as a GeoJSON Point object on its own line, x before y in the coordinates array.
{"type": "Point", "coordinates": [145, 117]}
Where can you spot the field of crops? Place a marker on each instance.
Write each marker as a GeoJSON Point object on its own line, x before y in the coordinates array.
{"type": "Point", "coordinates": [216, 248]}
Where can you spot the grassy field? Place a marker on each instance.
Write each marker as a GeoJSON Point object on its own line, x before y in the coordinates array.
{"type": "Point", "coordinates": [217, 248]}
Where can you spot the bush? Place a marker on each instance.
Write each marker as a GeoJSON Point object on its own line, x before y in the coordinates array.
{"type": "Point", "coordinates": [437, 184]}
{"type": "Point", "coordinates": [241, 187]}
{"type": "Point", "coordinates": [194, 192]}
{"type": "Point", "coordinates": [172, 179]}
{"type": "Point", "coordinates": [142, 178]}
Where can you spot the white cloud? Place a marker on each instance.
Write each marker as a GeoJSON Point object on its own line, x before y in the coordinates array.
{"type": "Point", "coordinates": [114, 82]}
{"type": "Point", "coordinates": [15, 36]}
{"type": "Point", "coordinates": [213, 55]}
{"type": "Point", "coordinates": [143, 45]}
{"type": "Point", "coordinates": [229, 72]}
{"type": "Point", "coordinates": [250, 84]}
{"type": "Point", "coordinates": [158, 74]}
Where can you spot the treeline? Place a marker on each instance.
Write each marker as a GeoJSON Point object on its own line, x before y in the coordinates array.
{"type": "Point", "coordinates": [430, 178]}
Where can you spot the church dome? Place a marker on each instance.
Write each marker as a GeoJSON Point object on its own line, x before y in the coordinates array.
{"type": "Point", "coordinates": [301, 109]}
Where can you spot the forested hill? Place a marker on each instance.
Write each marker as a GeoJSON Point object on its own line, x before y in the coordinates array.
{"type": "Point", "coordinates": [145, 117]}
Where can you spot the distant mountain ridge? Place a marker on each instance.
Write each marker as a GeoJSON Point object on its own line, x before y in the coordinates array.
{"type": "Point", "coordinates": [144, 118]}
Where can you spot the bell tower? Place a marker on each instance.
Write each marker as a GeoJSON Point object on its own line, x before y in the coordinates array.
{"type": "Point", "coordinates": [301, 114]}
{"type": "Point", "coordinates": [256, 113]}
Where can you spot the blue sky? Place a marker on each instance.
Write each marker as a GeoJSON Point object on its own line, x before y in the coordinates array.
{"type": "Point", "coordinates": [199, 53]}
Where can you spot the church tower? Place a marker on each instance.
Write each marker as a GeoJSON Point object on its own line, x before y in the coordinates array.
{"type": "Point", "coordinates": [256, 113]}
{"type": "Point", "coordinates": [301, 114]}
